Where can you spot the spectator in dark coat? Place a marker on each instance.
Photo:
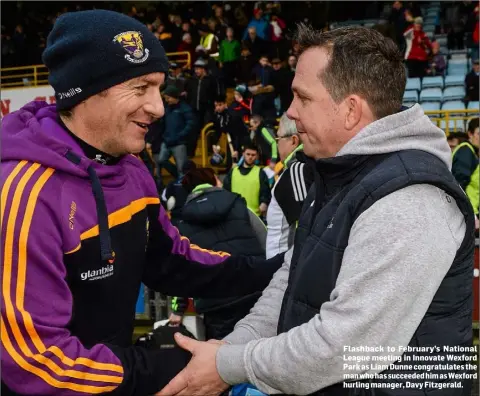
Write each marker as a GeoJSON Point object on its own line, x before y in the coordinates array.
{"type": "Point", "coordinates": [264, 97]}
{"type": "Point", "coordinates": [465, 166]}
{"type": "Point", "coordinates": [214, 218]}
{"type": "Point", "coordinates": [256, 45]}
{"type": "Point", "coordinates": [178, 124]}
{"type": "Point", "coordinates": [230, 122]}
{"type": "Point", "coordinates": [245, 68]}
{"type": "Point", "coordinates": [201, 93]}
{"type": "Point", "coordinates": [397, 18]}
{"type": "Point", "coordinates": [471, 82]}
{"type": "Point", "coordinates": [282, 79]}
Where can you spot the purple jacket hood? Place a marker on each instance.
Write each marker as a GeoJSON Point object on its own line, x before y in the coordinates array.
{"type": "Point", "coordinates": [34, 134]}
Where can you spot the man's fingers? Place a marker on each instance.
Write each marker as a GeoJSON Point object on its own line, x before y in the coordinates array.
{"type": "Point", "coordinates": [175, 386]}
{"type": "Point", "coordinates": [214, 341]}
{"type": "Point", "coordinates": [186, 343]}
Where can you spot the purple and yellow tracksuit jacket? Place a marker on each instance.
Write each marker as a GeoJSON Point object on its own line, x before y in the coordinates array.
{"type": "Point", "coordinates": [78, 238]}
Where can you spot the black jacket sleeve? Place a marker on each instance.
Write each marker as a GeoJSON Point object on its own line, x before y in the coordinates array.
{"type": "Point", "coordinates": [265, 192]}
{"type": "Point", "coordinates": [177, 268]}
{"type": "Point", "coordinates": [227, 181]}
{"type": "Point", "coordinates": [463, 165]}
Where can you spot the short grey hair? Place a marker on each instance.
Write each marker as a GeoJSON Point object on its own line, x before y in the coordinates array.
{"type": "Point", "coordinates": [288, 126]}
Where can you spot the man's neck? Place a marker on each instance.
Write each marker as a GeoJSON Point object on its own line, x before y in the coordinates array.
{"type": "Point", "coordinates": [245, 165]}
{"type": "Point", "coordinates": [90, 148]}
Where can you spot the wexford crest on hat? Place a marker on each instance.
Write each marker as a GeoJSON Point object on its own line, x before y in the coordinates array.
{"type": "Point", "coordinates": [132, 43]}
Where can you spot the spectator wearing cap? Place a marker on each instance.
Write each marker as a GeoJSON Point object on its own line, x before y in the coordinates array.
{"type": "Point", "coordinates": [418, 49]}
{"type": "Point", "coordinates": [282, 79]}
{"type": "Point", "coordinates": [229, 56]}
{"type": "Point", "coordinates": [176, 78]}
{"type": "Point", "coordinates": [176, 127]}
{"type": "Point", "coordinates": [471, 82]}
{"type": "Point", "coordinates": [256, 45]}
{"type": "Point", "coordinates": [201, 93]}
{"type": "Point", "coordinates": [259, 23]}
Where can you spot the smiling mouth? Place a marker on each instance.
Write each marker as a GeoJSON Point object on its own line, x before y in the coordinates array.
{"type": "Point", "coordinates": [141, 125]}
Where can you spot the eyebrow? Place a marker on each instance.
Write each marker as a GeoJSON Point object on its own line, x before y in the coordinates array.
{"type": "Point", "coordinates": [299, 91]}
{"type": "Point", "coordinates": [146, 80]}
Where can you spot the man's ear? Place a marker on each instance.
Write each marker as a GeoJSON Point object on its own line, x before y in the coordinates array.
{"type": "Point", "coordinates": [296, 140]}
{"type": "Point", "coordinates": [354, 111]}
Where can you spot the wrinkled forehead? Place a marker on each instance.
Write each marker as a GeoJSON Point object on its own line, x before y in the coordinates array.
{"type": "Point", "coordinates": [151, 79]}
{"type": "Point", "coordinates": [310, 66]}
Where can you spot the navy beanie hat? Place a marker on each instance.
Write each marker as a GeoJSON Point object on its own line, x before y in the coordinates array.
{"type": "Point", "coordinates": [90, 51]}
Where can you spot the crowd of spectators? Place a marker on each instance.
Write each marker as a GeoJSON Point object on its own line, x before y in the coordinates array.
{"type": "Point", "coordinates": [243, 47]}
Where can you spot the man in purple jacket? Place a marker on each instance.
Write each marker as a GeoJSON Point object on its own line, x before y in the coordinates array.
{"type": "Point", "coordinates": [82, 224]}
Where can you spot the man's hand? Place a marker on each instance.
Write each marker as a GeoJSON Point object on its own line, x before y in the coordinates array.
{"type": "Point", "coordinates": [200, 377]}
{"type": "Point", "coordinates": [216, 342]}
{"type": "Point", "coordinates": [263, 208]}
{"type": "Point", "coordinates": [175, 320]}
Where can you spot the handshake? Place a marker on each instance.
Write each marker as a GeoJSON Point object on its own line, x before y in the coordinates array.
{"type": "Point", "coordinates": [200, 376]}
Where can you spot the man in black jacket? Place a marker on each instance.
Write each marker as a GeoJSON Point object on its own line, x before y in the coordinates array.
{"type": "Point", "coordinates": [471, 82]}
{"type": "Point", "coordinates": [214, 218]}
{"type": "Point", "coordinates": [201, 92]}
{"type": "Point", "coordinates": [176, 127]}
{"type": "Point", "coordinates": [282, 79]}
{"type": "Point", "coordinates": [226, 121]}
